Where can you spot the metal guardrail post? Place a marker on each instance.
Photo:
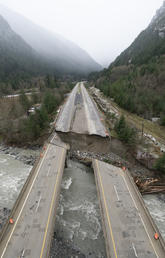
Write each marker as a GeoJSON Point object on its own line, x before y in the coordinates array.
{"type": "Point", "coordinates": [154, 226]}
{"type": "Point", "coordinates": [5, 226]}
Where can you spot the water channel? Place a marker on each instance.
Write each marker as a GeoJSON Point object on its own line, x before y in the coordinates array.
{"type": "Point", "coordinates": [78, 220]}
{"type": "Point", "coordinates": [78, 227]}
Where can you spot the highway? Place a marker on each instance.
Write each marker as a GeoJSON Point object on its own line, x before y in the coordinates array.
{"type": "Point", "coordinates": [30, 235]}
{"type": "Point", "coordinates": [65, 119]}
{"type": "Point", "coordinates": [94, 123]}
{"type": "Point", "coordinates": [80, 115]}
{"type": "Point", "coordinates": [127, 227]}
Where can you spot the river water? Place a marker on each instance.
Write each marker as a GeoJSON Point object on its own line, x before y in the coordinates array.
{"type": "Point", "coordinates": [78, 227]}
{"type": "Point", "coordinates": [13, 174]}
{"type": "Point", "coordinates": [156, 205]}
{"type": "Point", "coordinates": [78, 220]}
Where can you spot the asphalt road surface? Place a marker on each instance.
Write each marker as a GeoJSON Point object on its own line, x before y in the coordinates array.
{"type": "Point", "coordinates": [80, 115]}
{"type": "Point", "coordinates": [65, 118]}
{"type": "Point", "coordinates": [128, 231]}
{"type": "Point", "coordinates": [31, 233]}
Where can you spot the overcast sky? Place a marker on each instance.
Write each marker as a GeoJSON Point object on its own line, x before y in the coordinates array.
{"type": "Point", "coordinates": [102, 27]}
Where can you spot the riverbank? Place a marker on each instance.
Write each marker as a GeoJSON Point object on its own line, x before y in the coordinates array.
{"type": "Point", "coordinates": [26, 155]}
{"type": "Point", "coordinates": [12, 184]}
{"type": "Point", "coordinates": [15, 166]}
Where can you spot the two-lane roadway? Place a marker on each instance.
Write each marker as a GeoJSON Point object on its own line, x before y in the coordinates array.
{"type": "Point", "coordinates": [80, 115]}
{"type": "Point", "coordinates": [128, 230]}
{"type": "Point", "coordinates": [31, 233]}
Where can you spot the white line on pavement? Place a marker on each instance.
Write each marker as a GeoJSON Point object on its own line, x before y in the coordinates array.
{"type": "Point", "coordinates": [38, 204]}
{"type": "Point", "coordinates": [130, 193]}
{"type": "Point", "coordinates": [134, 249]}
{"type": "Point", "coordinates": [22, 253]}
{"type": "Point", "coordinates": [24, 204]}
{"type": "Point", "coordinates": [116, 193]}
{"type": "Point", "coordinates": [148, 235]}
{"type": "Point", "coordinates": [48, 171]}
{"type": "Point", "coordinates": [141, 217]}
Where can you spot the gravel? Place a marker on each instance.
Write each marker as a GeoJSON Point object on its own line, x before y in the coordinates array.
{"type": "Point", "coordinates": [4, 214]}
{"type": "Point", "coordinates": [27, 156]}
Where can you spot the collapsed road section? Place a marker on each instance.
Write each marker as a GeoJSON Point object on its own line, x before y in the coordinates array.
{"type": "Point", "coordinates": [128, 227]}
{"type": "Point", "coordinates": [80, 115]}
{"type": "Point", "coordinates": [29, 232]}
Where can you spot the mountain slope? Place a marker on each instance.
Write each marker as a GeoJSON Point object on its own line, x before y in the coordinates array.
{"type": "Point", "coordinates": [17, 58]}
{"type": "Point", "coordinates": [150, 42]}
{"type": "Point", "coordinates": [136, 79]}
{"type": "Point", "coordinates": [63, 54]}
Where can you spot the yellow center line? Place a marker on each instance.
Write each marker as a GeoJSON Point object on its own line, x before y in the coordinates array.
{"type": "Point", "coordinates": [19, 215]}
{"type": "Point", "coordinates": [106, 208]}
{"type": "Point", "coordinates": [51, 207]}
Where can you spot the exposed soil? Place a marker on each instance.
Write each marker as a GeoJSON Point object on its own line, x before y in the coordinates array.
{"type": "Point", "coordinates": [91, 143]}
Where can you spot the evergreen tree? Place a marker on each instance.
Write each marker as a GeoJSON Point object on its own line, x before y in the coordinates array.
{"type": "Point", "coordinates": [24, 100]}
{"type": "Point", "coordinates": [50, 102]}
{"type": "Point", "coordinates": [160, 164]}
{"type": "Point", "coordinates": [125, 133]}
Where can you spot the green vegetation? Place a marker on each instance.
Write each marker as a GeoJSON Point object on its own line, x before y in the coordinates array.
{"type": "Point", "coordinates": [162, 119]}
{"type": "Point", "coordinates": [137, 93]}
{"type": "Point", "coordinates": [37, 124]}
{"type": "Point", "coordinates": [34, 126]}
{"type": "Point", "coordinates": [24, 101]}
{"type": "Point", "coordinates": [125, 132]}
{"type": "Point", "coordinates": [136, 79]}
{"type": "Point", "coordinates": [50, 102]}
{"type": "Point", "coordinates": [19, 127]}
{"type": "Point", "coordinates": [160, 164]}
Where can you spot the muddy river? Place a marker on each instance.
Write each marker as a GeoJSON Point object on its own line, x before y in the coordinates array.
{"type": "Point", "coordinates": [78, 220]}
{"type": "Point", "coordinates": [13, 174]}
{"type": "Point", "coordinates": [78, 229]}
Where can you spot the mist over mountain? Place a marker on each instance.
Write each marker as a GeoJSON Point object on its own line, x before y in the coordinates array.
{"type": "Point", "coordinates": [136, 79]}
{"type": "Point", "coordinates": [149, 43]}
{"type": "Point", "coordinates": [64, 55]}
{"type": "Point", "coordinates": [17, 58]}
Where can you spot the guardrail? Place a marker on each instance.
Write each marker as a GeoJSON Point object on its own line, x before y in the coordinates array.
{"type": "Point", "coordinates": [101, 209]}
{"type": "Point", "coordinates": [154, 226]}
{"type": "Point", "coordinates": [11, 215]}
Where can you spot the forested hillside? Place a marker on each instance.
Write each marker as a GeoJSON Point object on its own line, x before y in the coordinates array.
{"type": "Point", "coordinates": [17, 59]}
{"type": "Point", "coordinates": [136, 79]}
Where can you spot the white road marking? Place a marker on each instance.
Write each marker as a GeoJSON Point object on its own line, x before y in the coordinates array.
{"type": "Point", "coordinates": [38, 203]}
{"type": "Point", "coordinates": [24, 204]}
{"type": "Point", "coordinates": [116, 193]}
{"type": "Point", "coordinates": [148, 235]}
{"type": "Point", "coordinates": [90, 125]}
{"type": "Point", "coordinates": [53, 138]}
{"type": "Point", "coordinates": [130, 193]}
{"type": "Point", "coordinates": [141, 218]}
{"type": "Point", "coordinates": [22, 254]}
{"type": "Point", "coordinates": [48, 171]}
{"type": "Point", "coordinates": [134, 249]}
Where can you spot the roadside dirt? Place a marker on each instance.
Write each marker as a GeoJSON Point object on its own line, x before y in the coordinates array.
{"type": "Point", "coordinates": [148, 150]}
{"type": "Point", "coordinates": [83, 142]}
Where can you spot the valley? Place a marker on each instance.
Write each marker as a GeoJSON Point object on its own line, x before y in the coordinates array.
{"type": "Point", "coordinates": [82, 146]}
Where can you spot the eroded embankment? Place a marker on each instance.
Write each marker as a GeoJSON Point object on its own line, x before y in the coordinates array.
{"type": "Point", "coordinates": [86, 147]}
{"type": "Point", "coordinates": [83, 142]}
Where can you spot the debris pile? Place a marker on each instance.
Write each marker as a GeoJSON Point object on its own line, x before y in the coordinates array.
{"type": "Point", "coordinates": [150, 185]}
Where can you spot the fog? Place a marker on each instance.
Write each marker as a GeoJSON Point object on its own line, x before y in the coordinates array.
{"type": "Point", "coordinates": [103, 28]}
